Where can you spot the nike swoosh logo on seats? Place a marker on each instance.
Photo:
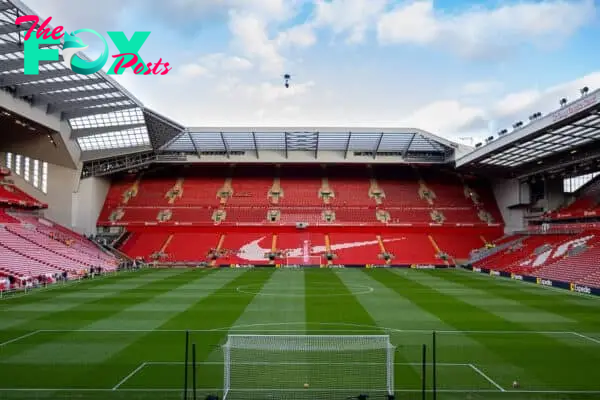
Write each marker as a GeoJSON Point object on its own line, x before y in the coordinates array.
{"type": "Point", "coordinates": [253, 252]}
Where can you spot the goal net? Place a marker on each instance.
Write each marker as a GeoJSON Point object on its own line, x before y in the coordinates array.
{"type": "Point", "coordinates": [307, 366]}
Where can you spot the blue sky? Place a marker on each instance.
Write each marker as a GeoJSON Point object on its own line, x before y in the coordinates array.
{"type": "Point", "coordinates": [456, 68]}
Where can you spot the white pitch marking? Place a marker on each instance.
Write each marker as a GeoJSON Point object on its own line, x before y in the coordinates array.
{"type": "Point", "coordinates": [372, 328]}
{"type": "Point", "coordinates": [150, 363]}
{"type": "Point", "coordinates": [487, 378]}
{"type": "Point", "coordinates": [586, 337]}
{"type": "Point", "coordinates": [149, 390]}
{"type": "Point", "coordinates": [19, 338]}
{"type": "Point", "coordinates": [135, 371]}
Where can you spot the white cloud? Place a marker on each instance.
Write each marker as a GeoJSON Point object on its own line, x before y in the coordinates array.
{"type": "Point", "coordinates": [299, 35]}
{"type": "Point", "coordinates": [456, 118]}
{"type": "Point", "coordinates": [351, 17]}
{"type": "Point", "coordinates": [513, 103]}
{"type": "Point", "coordinates": [252, 39]}
{"type": "Point", "coordinates": [192, 70]}
{"type": "Point", "coordinates": [409, 23]}
{"type": "Point", "coordinates": [448, 116]}
{"type": "Point", "coordinates": [481, 32]}
{"type": "Point", "coordinates": [236, 64]}
{"type": "Point", "coordinates": [518, 106]}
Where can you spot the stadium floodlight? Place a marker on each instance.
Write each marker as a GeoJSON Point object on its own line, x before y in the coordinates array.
{"type": "Point", "coordinates": [517, 124]}
{"type": "Point", "coordinates": [584, 90]}
{"type": "Point", "coordinates": [503, 132]}
{"type": "Point", "coordinates": [563, 102]}
{"type": "Point", "coordinates": [478, 145]}
{"type": "Point", "coordinates": [307, 366]}
{"type": "Point", "coordinates": [489, 139]}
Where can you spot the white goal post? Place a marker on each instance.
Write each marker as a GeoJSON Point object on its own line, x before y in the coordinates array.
{"type": "Point", "coordinates": [307, 367]}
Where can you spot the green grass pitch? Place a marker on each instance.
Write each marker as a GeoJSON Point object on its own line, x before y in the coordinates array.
{"type": "Point", "coordinates": [122, 337]}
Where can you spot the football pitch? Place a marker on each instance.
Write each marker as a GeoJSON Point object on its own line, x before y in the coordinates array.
{"type": "Point", "coordinates": [123, 336]}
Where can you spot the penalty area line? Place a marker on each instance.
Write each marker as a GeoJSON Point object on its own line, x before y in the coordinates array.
{"type": "Point", "coordinates": [591, 339]}
{"type": "Point", "coordinates": [135, 371]}
{"type": "Point", "coordinates": [19, 338]}
{"type": "Point", "coordinates": [487, 378]}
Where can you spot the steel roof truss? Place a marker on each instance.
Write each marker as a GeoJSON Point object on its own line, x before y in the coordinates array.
{"type": "Point", "coordinates": [76, 104]}
{"type": "Point", "coordinates": [19, 78]}
{"type": "Point", "coordinates": [84, 112]}
{"type": "Point", "coordinates": [224, 144]}
{"type": "Point", "coordinates": [35, 88]}
{"type": "Point", "coordinates": [347, 145]}
{"type": "Point", "coordinates": [255, 145]}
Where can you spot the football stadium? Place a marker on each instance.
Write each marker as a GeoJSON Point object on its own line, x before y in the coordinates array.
{"type": "Point", "coordinates": [144, 258]}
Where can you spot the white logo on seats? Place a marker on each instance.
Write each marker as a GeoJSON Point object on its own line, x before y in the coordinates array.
{"type": "Point", "coordinates": [561, 250]}
{"type": "Point", "coordinates": [253, 252]}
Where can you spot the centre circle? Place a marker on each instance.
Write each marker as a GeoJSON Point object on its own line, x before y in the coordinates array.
{"type": "Point", "coordinates": [322, 291]}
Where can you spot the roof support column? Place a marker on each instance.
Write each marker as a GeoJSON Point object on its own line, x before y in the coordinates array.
{"type": "Point", "coordinates": [255, 145]}
{"type": "Point", "coordinates": [408, 146]}
{"type": "Point", "coordinates": [378, 144]}
{"type": "Point", "coordinates": [224, 144]}
{"type": "Point", "coordinates": [347, 145]}
{"type": "Point", "coordinates": [194, 144]}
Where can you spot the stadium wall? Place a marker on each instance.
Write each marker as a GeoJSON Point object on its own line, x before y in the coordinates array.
{"type": "Point", "coordinates": [554, 194]}
{"type": "Point", "coordinates": [61, 182]}
{"type": "Point", "coordinates": [59, 198]}
{"type": "Point", "coordinates": [88, 201]}
{"type": "Point", "coordinates": [511, 192]}
{"type": "Point", "coordinates": [23, 184]}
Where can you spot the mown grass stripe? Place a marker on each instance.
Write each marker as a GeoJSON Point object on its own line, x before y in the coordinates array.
{"type": "Point", "coordinates": [217, 305]}
{"type": "Point", "coordinates": [508, 309]}
{"type": "Point", "coordinates": [537, 347]}
{"type": "Point", "coordinates": [72, 286]}
{"type": "Point", "coordinates": [583, 314]}
{"type": "Point", "coordinates": [388, 310]}
{"type": "Point", "coordinates": [278, 305]}
{"type": "Point", "coordinates": [61, 310]}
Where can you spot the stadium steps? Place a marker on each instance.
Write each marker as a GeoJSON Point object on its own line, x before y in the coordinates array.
{"type": "Point", "coordinates": [176, 192]}
{"type": "Point", "coordinates": [383, 250]}
{"type": "Point", "coordinates": [328, 249]}
{"type": "Point", "coordinates": [213, 263]}
{"type": "Point", "coordinates": [273, 249]}
{"type": "Point", "coordinates": [483, 239]}
{"type": "Point", "coordinates": [375, 192]}
{"type": "Point", "coordinates": [436, 247]}
{"type": "Point", "coordinates": [165, 245]}
{"type": "Point", "coordinates": [275, 192]}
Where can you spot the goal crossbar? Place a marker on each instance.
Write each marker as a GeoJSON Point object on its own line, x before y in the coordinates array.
{"type": "Point", "coordinates": [299, 366]}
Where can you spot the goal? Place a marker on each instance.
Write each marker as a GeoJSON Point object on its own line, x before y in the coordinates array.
{"type": "Point", "coordinates": [307, 366]}
{"type": "Point", "coordinates": [291, 261]}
